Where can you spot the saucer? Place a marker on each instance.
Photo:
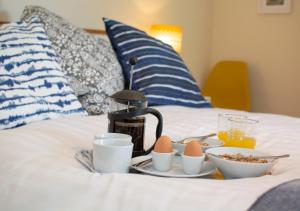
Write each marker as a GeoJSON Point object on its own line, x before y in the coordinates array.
{"type": "Point", "coordinates": [177, 170]}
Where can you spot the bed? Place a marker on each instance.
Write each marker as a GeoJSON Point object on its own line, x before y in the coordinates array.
{"type": "Point", "coordinates": [39, 172]}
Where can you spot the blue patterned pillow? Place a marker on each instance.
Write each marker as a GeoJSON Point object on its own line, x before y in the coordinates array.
{"type": "Point", "coordinates": [32, 86]}
{"type": "Point", "coordinates": [160, 72]}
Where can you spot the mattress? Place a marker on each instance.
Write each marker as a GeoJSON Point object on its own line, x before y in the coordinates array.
{"type": "Point", "coordinates": [38, 170]}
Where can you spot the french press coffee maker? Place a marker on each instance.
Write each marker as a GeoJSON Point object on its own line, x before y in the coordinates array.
{"type": "Point", "coordinates": [126, 115]}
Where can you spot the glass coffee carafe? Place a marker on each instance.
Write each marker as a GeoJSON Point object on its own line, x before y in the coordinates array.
{"type": "Point", "coordinates": [126, 115]}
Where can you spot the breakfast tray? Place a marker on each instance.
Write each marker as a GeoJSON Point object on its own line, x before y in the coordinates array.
{"type": "Point", "coordinates": [85, 157]}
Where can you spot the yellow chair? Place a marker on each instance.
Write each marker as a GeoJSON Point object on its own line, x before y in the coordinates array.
{"type": "Point", "coordinates": [227, 85]}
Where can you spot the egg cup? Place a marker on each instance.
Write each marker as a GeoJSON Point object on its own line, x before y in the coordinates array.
{"type": "Point", "coordinates": [192, 165]}
{"type": "Point", "coordinates": [163, 161]}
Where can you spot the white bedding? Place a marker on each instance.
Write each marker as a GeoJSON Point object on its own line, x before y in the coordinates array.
{"type": "Point", "coordinates": [38, 171]}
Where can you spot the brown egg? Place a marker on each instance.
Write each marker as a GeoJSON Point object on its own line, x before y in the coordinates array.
{"type": "Point", "coordinates": [193, 149]}
{"type": "Point", "coordinates": [163, 145]}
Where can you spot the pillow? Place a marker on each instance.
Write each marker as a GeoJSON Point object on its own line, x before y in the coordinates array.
{"type": "Point", "coordinates": [160, 73]}
{"type": "Point", "coordinates": [78, 88]}
{"type": "Point", "coordinates": [32, 86]}
{"type": "Point", "coordinates": [89, 59]}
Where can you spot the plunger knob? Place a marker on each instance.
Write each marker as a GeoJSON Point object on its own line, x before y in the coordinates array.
{"type": "Point", "coordinates": [133, 60]}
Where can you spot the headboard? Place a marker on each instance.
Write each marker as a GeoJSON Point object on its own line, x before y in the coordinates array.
{"type": "Point", "coordinates": [91, 31]}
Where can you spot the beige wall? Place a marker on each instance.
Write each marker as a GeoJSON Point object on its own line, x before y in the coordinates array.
{"type": "Point", "coordinates": [192, 15]}
{"type": "Point", "coordinates": [271, 46]}
{"type": "Point", "coordinates": [213, 30]}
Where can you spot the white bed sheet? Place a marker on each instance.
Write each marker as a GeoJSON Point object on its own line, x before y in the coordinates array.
{"type": "Point", "coordinates": [38, 171]}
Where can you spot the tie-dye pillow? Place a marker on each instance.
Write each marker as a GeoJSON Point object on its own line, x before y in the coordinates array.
{"type": "Point", "coordinates": [32, 85]}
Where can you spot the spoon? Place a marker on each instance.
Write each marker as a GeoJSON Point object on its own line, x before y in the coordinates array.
{"type": "Point", "coordinates": [82, 158]}
{"type": "Point", "coordinates": [198, 138]}
{"type": "Point", "coordinates": [271, 157]}
{"type": "Point", "coordinates": [142, 163]}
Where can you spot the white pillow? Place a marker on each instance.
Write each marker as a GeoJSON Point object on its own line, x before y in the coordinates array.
{"type": "Point", "coordinates": [32, 85]}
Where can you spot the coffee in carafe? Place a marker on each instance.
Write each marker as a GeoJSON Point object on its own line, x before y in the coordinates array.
{"type": "Point", "coordinates": [134, 127]}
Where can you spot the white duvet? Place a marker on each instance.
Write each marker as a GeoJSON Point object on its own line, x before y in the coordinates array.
{"type": "Point", "coordinates": [38, 171]}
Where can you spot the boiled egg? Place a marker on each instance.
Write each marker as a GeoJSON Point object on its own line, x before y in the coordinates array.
{"type": "Point", "coordinates": [193, 149]}
{"type": "Point", "coordinates": [163, 145]}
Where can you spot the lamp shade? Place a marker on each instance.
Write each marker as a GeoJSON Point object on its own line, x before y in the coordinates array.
{"type": "Point", "coordinates": [169, 34]}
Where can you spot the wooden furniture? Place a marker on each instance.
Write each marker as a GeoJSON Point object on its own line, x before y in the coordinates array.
{"type": "Point", "coordinates": [96, 31]}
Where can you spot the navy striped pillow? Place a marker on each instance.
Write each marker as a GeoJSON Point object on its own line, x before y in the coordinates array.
{"type": "Point", "coordinates": [32, 86]}
{"type": "Point", "coordinates": [160, 72]}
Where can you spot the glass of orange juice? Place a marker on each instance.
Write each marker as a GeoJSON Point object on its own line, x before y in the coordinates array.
{"type": "Point", "coordinates": [237, 130]}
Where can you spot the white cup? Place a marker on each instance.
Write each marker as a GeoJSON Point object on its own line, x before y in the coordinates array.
{"type": "Point", "coordinates": [162, 161]}
{"type": "Point", "coordinates": [112, 152]}
{"type": "Point", "coordinates": [192, 165]}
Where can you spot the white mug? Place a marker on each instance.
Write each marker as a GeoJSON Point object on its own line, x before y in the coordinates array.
{"type": "Point", "coordinates": [112, 152]}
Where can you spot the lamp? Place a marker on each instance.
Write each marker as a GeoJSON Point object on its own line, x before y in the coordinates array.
{"type": "Point", "coordinates": [169, 34]}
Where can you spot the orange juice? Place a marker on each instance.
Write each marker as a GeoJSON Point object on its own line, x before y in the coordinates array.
{"type": "Point", "coordinates": [236, 138]}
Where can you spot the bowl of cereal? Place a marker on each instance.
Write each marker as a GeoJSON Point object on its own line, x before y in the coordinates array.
{"type": "Point", "coordinates": [234, 162]}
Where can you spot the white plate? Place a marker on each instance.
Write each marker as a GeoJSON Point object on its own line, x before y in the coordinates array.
{"type": "Point", "coordinates": [177, 169]}
{"type": "Point", "coordinates": [210, 141]}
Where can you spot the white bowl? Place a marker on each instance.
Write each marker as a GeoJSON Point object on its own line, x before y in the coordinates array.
{"type": "Point", "coordinates": [235, 169]}
{"type": "Point", "coordinates": [211, 144]}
